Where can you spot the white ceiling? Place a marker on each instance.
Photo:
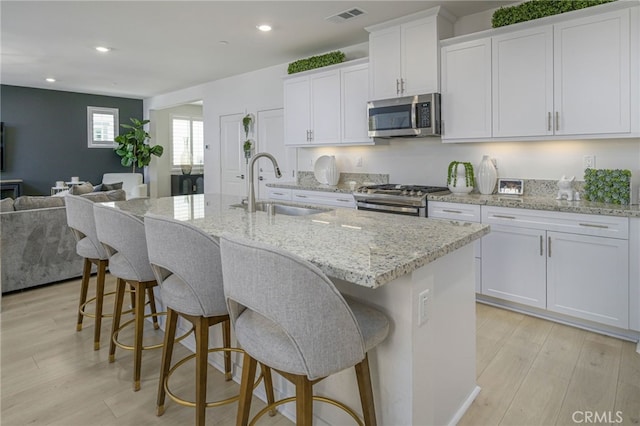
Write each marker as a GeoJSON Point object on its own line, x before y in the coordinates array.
{"type": "Point", "coordinates": [162, 46]}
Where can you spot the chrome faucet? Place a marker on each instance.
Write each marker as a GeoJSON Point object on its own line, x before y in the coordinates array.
{"type": "Point", "coordinates": [251, 203]}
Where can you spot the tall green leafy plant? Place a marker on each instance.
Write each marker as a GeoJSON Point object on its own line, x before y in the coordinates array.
{"type": "Point", "coordinates": [133, 146]}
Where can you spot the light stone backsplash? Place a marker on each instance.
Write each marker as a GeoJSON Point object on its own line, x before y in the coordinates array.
{"type": "Point", "coordinates": [308, 178]}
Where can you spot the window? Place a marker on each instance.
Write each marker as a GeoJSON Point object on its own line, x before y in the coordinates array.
{"type": "Point", "coordinates": [102, 126]}
{"type": "Point", "coordinates": [187, 135]}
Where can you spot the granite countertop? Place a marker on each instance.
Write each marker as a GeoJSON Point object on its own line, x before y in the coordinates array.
{"type": "Point", "coordinates": [366, 248]}
{"type": "Point", "coordinates": [540, 203]}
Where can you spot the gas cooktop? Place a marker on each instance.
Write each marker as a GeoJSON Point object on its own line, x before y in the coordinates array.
{"type": "Point", "coordinates": [399, 190]}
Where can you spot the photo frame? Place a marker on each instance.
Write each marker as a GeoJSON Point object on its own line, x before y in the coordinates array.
{"type": "Point", "coordinates": [510, 186]}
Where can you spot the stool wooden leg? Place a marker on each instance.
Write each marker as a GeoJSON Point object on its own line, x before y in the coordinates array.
{"type": "Point", "coordinates": [152, 306]}
{"type": "Point", "coordinates": [132, 293]}
{"type": "Point", "coordinates": [102, 266]}
{"type": "Point", "coordinates": [84, 288]}
{"type": "Point", "coordinates": [268, 387]}
{"type": "Point", "coordinates": [246, 390]}
{"type": "Point", "coordinates": [226, 342]}
{"type": "Point", "coordinates": [202, 355]}
{"type": "Point", "coordinates": [304, 401]}
{"type": "Point", "coordinates": [167, 352]}
{"type": "Point", "coordinates": [117, 314]}
{"type": "Point", "coordinates": [363, 376]}
{"type": "Point", "coordinates": [137, 343]}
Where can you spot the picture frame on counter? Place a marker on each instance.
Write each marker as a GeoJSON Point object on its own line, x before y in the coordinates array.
{"type": "Point", "coordinates": [510, 186]}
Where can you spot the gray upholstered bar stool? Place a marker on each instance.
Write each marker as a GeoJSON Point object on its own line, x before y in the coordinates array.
{"type": "Point", "coordinates": [123, 238]}
{"type": "Point", "coordinates": [289, 316]}
{"type": "Point", "coordinates": [186, 262]}
{"type": "Point", "coordinates": [81, 221]}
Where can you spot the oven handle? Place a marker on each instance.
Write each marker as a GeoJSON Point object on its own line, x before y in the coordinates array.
{"type": "Point", "coordinates": [412, 210]}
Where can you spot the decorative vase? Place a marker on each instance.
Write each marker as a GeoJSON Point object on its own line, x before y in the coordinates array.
{"type": "Point", "coordinates": [460, 178]}
{"type": "Point", "coordinates": [186, 163]}
{"type": "Point", "coordinates": [487, 176]}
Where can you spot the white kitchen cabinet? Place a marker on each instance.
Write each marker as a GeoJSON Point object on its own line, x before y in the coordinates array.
{"type": "Point", "coordinates": [588, 277]}
{"type": "Point", "coordinates": [462, 213]}
{"type": "Point", "coordinates": [279, 193]}
{"type": "Point", "coordinates": [327, 107]}
{"type": "Point", "coordinates": [403, 54]}
{"type": "Point", "coordinates": [634, 274]}
{"type": "Point", "coordinates": [312, 109]}
{"type": "Point", "coordinates": [466, 90]}
{"type": "Point", "coordinates": [572, 264]}
{"type": "Point", "coordinates": [325, 198]}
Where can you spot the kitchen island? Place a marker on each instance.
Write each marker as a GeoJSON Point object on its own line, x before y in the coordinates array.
{"type": "Point", "coordinates": [420, 272]}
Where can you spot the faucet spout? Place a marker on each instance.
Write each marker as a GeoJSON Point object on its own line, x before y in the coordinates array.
{"type": "Point", "coordinates": [251, 203]}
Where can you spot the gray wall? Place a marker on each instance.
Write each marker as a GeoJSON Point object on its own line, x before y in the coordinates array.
{"type": "Point", "coordinates": [46, 136]}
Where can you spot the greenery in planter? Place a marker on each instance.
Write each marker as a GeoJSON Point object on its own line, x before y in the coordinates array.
{"type": "Point", "coordinates": [535, 9]}
{"type": "Point", "coordinates": [452, 175]}
{"type": "Point", "coordinates": [607, 185]}
{"type": "Point", "coordinates": [247, 121]}
{"type": "Point", "coordinates": [132, 146]}
{"type": "Point", "coordinates": [316, 62]}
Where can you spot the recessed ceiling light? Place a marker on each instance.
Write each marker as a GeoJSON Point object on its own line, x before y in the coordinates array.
{"type": "Point", "coordinates": [103, 49]}
{"type": "Point", "coordinates": [264, 27]}
{"type": "Point", "coordinates": [50, 80]}
{"type": "Point", "coordinates": [223, 42]}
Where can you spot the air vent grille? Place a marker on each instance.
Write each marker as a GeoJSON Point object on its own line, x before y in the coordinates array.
{"type": "Point", "coordinates": [346, 15]}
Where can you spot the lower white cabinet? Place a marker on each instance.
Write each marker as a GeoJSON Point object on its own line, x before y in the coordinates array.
{"type": "Point", "coordinates": [278, 193]}
{"type": "Point", "coordinates": [572, 264]}
{"type": "Point", "coordinates": [325, 198]}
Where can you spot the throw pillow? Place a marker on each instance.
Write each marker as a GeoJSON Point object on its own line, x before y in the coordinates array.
{"type": "Point", "coordinates": [83, 188]}
{"type": "Point", "coordinates": [6, 205]}
{"type": "Point", "coordinates": [110, 186]}
{"type": "Point", "coordinates": [105, 196]}
{"type": "Point", "coordinates": [29, 202]}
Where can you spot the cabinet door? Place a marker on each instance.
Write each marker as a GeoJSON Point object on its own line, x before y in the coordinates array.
{"type": "Point", "coordinates": [591, 60]}
{"type": "Point", "coordinates": [384, 63]}
{"type": "Point", "coordinates": [466, 90]}
{"type": "Point", "coordinates": [419, 57]}
{"type": "Point", "coordinates": [522, 83]}
{"type": "Point", "coordinates": [513, 265]}
{"type": "Point", "coordinates": [325, 108]}
{"type": "Point", "coordinates": [588, 277]}
{"type": "Point", "coordinates": [355, 93]}
{"type": "Point", "coordinates": [297, 112]}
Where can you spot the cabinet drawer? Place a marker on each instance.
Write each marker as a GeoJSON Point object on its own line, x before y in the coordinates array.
{"type": "Point", "coordinates": [325, 198]}
{"type": "Point", "coordinates": [454, 211]}
{"type": "Point", "coordinates": [279, 194]}
{"type": "Point", "coordinates": [575, 223]}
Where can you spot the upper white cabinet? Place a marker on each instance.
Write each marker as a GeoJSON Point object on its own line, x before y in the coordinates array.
{"type": "Point", "coordinates": [327, 107]}
{"type": "Point", "coordinates": [404, 54]}
{"type": "Point", "coordinates": [466, 90]}
{"type": "Point", "coordinates": [572, 75]}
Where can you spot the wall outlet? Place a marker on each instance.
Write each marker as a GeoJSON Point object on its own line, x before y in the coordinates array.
{"type": "Point", "coordinates": [423, 307]}
{"type": "Point", "coordinates": [589, 161]}
{"type": "Point", "coordinates": [359, 162]}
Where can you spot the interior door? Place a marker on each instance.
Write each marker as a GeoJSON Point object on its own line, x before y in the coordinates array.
{"type": "Point", "coordinates": [231, 155]}
{"type": "Point", "coordinates": [270, 125]}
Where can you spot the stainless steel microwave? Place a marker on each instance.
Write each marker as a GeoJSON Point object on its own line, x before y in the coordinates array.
{"type": "Point", "coordinates": [410, 116]}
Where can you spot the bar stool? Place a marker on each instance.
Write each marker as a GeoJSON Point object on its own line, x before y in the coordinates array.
{"type": "Point", "coordinates": [123, 238]}
{"type": "Point", "coordinates": [289, 316]}
{"type": "Point", "coordinates": [186, 262]}
{"type": "Point", "coordinates": [81, 221]}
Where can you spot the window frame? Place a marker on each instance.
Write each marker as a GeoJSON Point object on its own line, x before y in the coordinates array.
{"type": "Point", "coordinates": [91, 111]}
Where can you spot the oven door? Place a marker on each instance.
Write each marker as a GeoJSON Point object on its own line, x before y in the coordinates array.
{"type": "Point", "coordinates": [385, 206]}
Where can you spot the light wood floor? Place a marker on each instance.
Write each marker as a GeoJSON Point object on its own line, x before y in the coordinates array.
{"type": "Point", "coordinates": [532, 372]}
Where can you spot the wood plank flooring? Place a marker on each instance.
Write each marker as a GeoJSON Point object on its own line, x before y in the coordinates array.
{"type": "Point", "coordinates": [531, 371]}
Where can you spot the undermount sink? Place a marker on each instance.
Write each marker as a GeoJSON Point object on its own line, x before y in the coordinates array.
{"type": "Point", "coordinates": [275, 208]}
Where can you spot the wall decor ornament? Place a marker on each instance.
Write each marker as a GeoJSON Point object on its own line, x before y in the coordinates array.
{"type": "Point", "coordinates": [460, 177]}
{"type": "Point", "coordinates": [487, 176]}
{"type": "Point", "coordinates": [607, 186]}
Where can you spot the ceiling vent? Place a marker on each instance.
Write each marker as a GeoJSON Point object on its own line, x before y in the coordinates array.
{"type": "Point", "coordinates": [346, 15]}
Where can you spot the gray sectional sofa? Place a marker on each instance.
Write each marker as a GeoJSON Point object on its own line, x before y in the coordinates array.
{"type": "Point", "coordinates": [36, 245]}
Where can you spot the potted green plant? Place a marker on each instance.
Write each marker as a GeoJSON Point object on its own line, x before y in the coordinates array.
{"type": "Point", "coordinates": [133, 146]}
{"type": "Point", "coordinates": [460, 177]}
{"type": "Point", "coordinates": [247, 146]}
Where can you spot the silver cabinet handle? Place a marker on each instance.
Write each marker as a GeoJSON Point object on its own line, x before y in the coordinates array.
{"type": "Point", "coordinates": [592, 225]}
{"type": "Point", "coordinates": [397, 86]}
{"type": "Point", "coordinates": [277, 193]}
{"type": "Point", "coordinates": [549, 246]}
{"type": "Point", "coordinates": [402, 85]}
{"type": "Point", "coordinates": [541, 245]}
{"type": "Point", "coordinates": [452, 211]}
{"type": "Point", "coordinates": [343, 200]}
{"type": "Point", "coordinates": [241, 176]}
{"type": "Point", "coordinates": [549, 121]}
{"type": "Point", "coordinates": [557, 120]}
{"type": "Point", "coordinates": [310, 135]}
{"type": "Point", "coordinates": [501, 216]}
{"type": "Point", "coordinates": [301, 196]}
{"type": "Point", "coordinates": [260, 178]}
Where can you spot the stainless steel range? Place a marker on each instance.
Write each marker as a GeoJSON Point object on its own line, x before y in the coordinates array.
{"type": "Point", "coordinates": [399, 199]}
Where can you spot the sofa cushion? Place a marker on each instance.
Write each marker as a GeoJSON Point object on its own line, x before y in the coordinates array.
{"type": "Point", "coordinates": [104, 196]}
{"type": "Point", "coordinates": [83, 188]}
{"type": "Point", "coordinates": [107, 187]}
{"type": "Point", "coordinates": [30, 202]}
{"type": "Point", "coordinates": [6, 205]}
